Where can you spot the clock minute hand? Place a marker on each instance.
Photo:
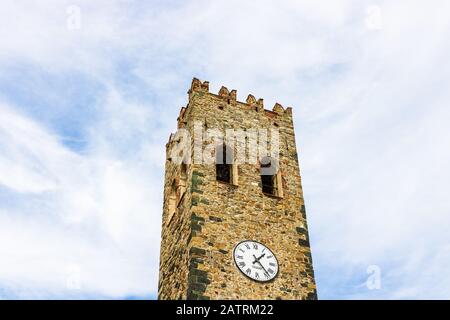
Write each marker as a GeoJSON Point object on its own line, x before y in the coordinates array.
{"type": "Point", "coordinates": [263, 267]}
{"type": "Point", "coordinates": [257, 260]}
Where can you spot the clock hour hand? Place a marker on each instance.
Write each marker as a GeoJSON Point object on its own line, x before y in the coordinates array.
{"type": "Point", "coordinates": [257, 259]}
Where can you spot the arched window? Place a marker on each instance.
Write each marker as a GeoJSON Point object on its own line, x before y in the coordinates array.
{"type": "Point", "coordinates": [271, 182]}
{"type": "Point", "coordinates": [224, 160]}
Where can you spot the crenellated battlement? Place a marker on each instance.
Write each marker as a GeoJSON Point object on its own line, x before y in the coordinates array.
{"type": "Point", "coordinates": [231, 98]}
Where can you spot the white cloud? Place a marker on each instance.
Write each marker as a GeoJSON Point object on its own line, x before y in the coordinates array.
{"type": "Point", "coordinates": [97, 213]}
{"type": "Point", "coordinates": [367, 80]}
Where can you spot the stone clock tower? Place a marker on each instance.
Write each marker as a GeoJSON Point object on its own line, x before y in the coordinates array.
{"type": "Point", "coordinates": [234, 223]}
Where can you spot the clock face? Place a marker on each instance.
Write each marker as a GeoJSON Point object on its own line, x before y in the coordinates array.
{"type": "Point", "coordinates": [255, 260]}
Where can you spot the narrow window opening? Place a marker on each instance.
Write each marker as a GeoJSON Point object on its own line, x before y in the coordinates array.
{"type": "Point", "coordinates": [224, 163]}
{"type": "Point", "coordinates": [270, 177]}
{"type": "Point", "coordinates": [182, 183]}
{"type": "Point", "coordinates": [172, 203]}
{"type": "Point", "coordinates": [268, 185]}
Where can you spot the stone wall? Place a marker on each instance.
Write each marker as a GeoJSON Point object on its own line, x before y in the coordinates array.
{"type": "Point", "coordinates": [197, 245]}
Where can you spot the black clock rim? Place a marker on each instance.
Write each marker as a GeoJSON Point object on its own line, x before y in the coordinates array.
{"type": "Point", "coordinates": [260, 281]}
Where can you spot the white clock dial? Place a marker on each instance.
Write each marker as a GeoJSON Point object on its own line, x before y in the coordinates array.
{"type": "Point", "coordinates": [255, 260]}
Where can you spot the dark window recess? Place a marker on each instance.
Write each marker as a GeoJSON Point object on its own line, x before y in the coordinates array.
{"type": "Point", "coordinates": [223, 172]}
{"type": "Point", "coordinates": [268, 181]}
{"type": "Point", "coordinates": [223, 167]}
{"type": "Point", "coordinates": [268, 185]}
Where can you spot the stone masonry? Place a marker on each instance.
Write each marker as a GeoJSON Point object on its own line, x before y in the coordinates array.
{"type": "Point", "coordinates": [211, 216]}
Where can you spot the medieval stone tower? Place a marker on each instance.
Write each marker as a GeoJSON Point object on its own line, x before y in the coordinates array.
{"type": "Point", "coordinates": [233, 229]}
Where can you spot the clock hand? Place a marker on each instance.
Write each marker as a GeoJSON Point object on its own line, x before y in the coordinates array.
{"type": "Point", "coordinates": [257, 259]}
{"type": "Point", "coordinates": [263, 267]}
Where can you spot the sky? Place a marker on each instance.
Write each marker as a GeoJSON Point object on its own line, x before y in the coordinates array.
{"type": "Point", "coordinates": [90, 91]}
